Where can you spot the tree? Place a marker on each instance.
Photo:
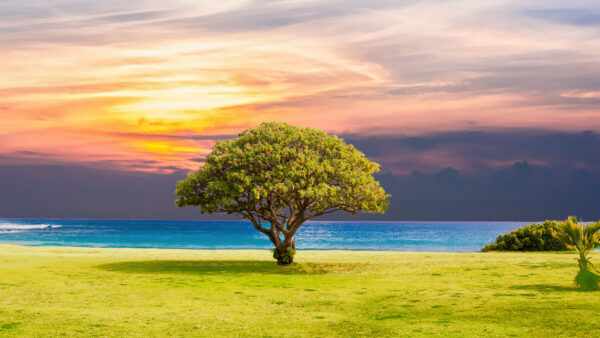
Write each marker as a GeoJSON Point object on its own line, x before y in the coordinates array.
{"type": "Point", "coordinates": [584, 239]}
{"type": "Point", "coordinates": [279, 176]}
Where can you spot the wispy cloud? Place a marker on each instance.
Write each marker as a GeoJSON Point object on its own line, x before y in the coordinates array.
{"type": "Point", "coordinates": [156, 81]}
{"type": "Point", "coordinates": [569, 16]}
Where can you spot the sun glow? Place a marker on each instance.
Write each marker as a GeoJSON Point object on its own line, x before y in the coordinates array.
{"type": "Point", "coordinates": [168, 148]}
{"type": "Point", "coordinates": [93, 84]}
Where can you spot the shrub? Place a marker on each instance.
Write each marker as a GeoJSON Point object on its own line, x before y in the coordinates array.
{"type": "Point", "coordinates": [533, 237]}
{"type": "Point", "coordinates": [284, 257]}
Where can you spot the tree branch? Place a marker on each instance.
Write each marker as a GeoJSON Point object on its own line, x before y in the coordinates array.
{"type": "Point", "coordinates": [274, 219]}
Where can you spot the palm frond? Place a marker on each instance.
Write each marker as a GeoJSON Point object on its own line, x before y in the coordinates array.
{"type": "Point", "coordinates": [592, 235]}
{"type": "Point", "coordinates": [583, 238]}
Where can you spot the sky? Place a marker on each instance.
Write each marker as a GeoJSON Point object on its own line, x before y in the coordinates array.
{"type": "Point", "coordinates": [474, 109]}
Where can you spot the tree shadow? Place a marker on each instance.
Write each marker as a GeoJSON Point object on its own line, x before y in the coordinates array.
{"type": "Point", "coordinates": [544, 288]}
{"type": "Point", "coordinates": [225, 267]}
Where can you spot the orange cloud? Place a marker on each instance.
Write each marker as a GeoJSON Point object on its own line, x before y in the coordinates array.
{"type": "Point", "coordinates": [90, 84]}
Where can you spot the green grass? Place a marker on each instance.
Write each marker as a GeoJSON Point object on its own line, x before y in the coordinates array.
{"type": "Point", "coordinates": [51, 291]}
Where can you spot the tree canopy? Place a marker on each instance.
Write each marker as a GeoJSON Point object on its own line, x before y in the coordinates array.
{"type": "Point", "coordinates": [279, 176]}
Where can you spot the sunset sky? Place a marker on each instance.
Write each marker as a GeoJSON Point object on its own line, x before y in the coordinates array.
{"type": "Point", "coordinates": [149, 86]}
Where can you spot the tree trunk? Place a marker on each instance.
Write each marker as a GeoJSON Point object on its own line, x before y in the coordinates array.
{"type": "Point", "coordinates": [284, 255]}
{"type": "Point", "coordinates": [583, 261]}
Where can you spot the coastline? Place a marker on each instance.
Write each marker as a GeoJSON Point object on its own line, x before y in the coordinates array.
{"type": "Point", "coordinates": [322, 235]}
{"type": "Point", "coordinates": [200, 251]}
{"type": "Point", "coordinates": [299, 250]}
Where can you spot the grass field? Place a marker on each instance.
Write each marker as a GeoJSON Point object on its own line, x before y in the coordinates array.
{"type": "Point", "coordinates": [50, 291]}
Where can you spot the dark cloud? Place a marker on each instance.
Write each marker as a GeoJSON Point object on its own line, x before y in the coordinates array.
{"type": "Point", "coordinates": [518, 175]}
{"type": "Point", "coordinates": [473, 151]}
{"type": "Point", "coordinates": [79, 192]}
{"type": "Point", "coordinates": [519, 192]}
{"type": "Point", "coordinates": [29, 157]}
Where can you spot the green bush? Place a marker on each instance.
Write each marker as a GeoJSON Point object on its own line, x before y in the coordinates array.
{"type": "Point", "coordinates": [285, 257]}
{"type": "Point", "coordinates": [533, 237]}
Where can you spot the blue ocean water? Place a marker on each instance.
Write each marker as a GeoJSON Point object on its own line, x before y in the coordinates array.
{"type": "Point", "coordinates": [396, 236]}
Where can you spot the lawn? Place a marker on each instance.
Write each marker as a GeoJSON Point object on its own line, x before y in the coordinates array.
{"type": "Point", "coordinates": [50, 291]}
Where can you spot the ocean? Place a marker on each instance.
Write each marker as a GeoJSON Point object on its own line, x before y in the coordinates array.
{"type": "Point", "coordinates": [318, 235]}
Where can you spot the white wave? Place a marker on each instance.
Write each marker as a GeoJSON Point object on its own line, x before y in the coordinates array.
{"type": "Point", "coordinates": [18, 226]}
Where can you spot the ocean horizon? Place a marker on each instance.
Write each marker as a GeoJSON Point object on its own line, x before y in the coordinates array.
{"type": "Point", "coordinates": [423, 236]}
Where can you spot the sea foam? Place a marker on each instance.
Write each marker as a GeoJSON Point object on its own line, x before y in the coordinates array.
{"type": "Point", "coordinates": [21, 227]}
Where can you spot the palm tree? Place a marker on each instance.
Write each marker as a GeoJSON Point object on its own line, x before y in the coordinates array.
{"type": "Point", "coordinates": [584, 239]}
